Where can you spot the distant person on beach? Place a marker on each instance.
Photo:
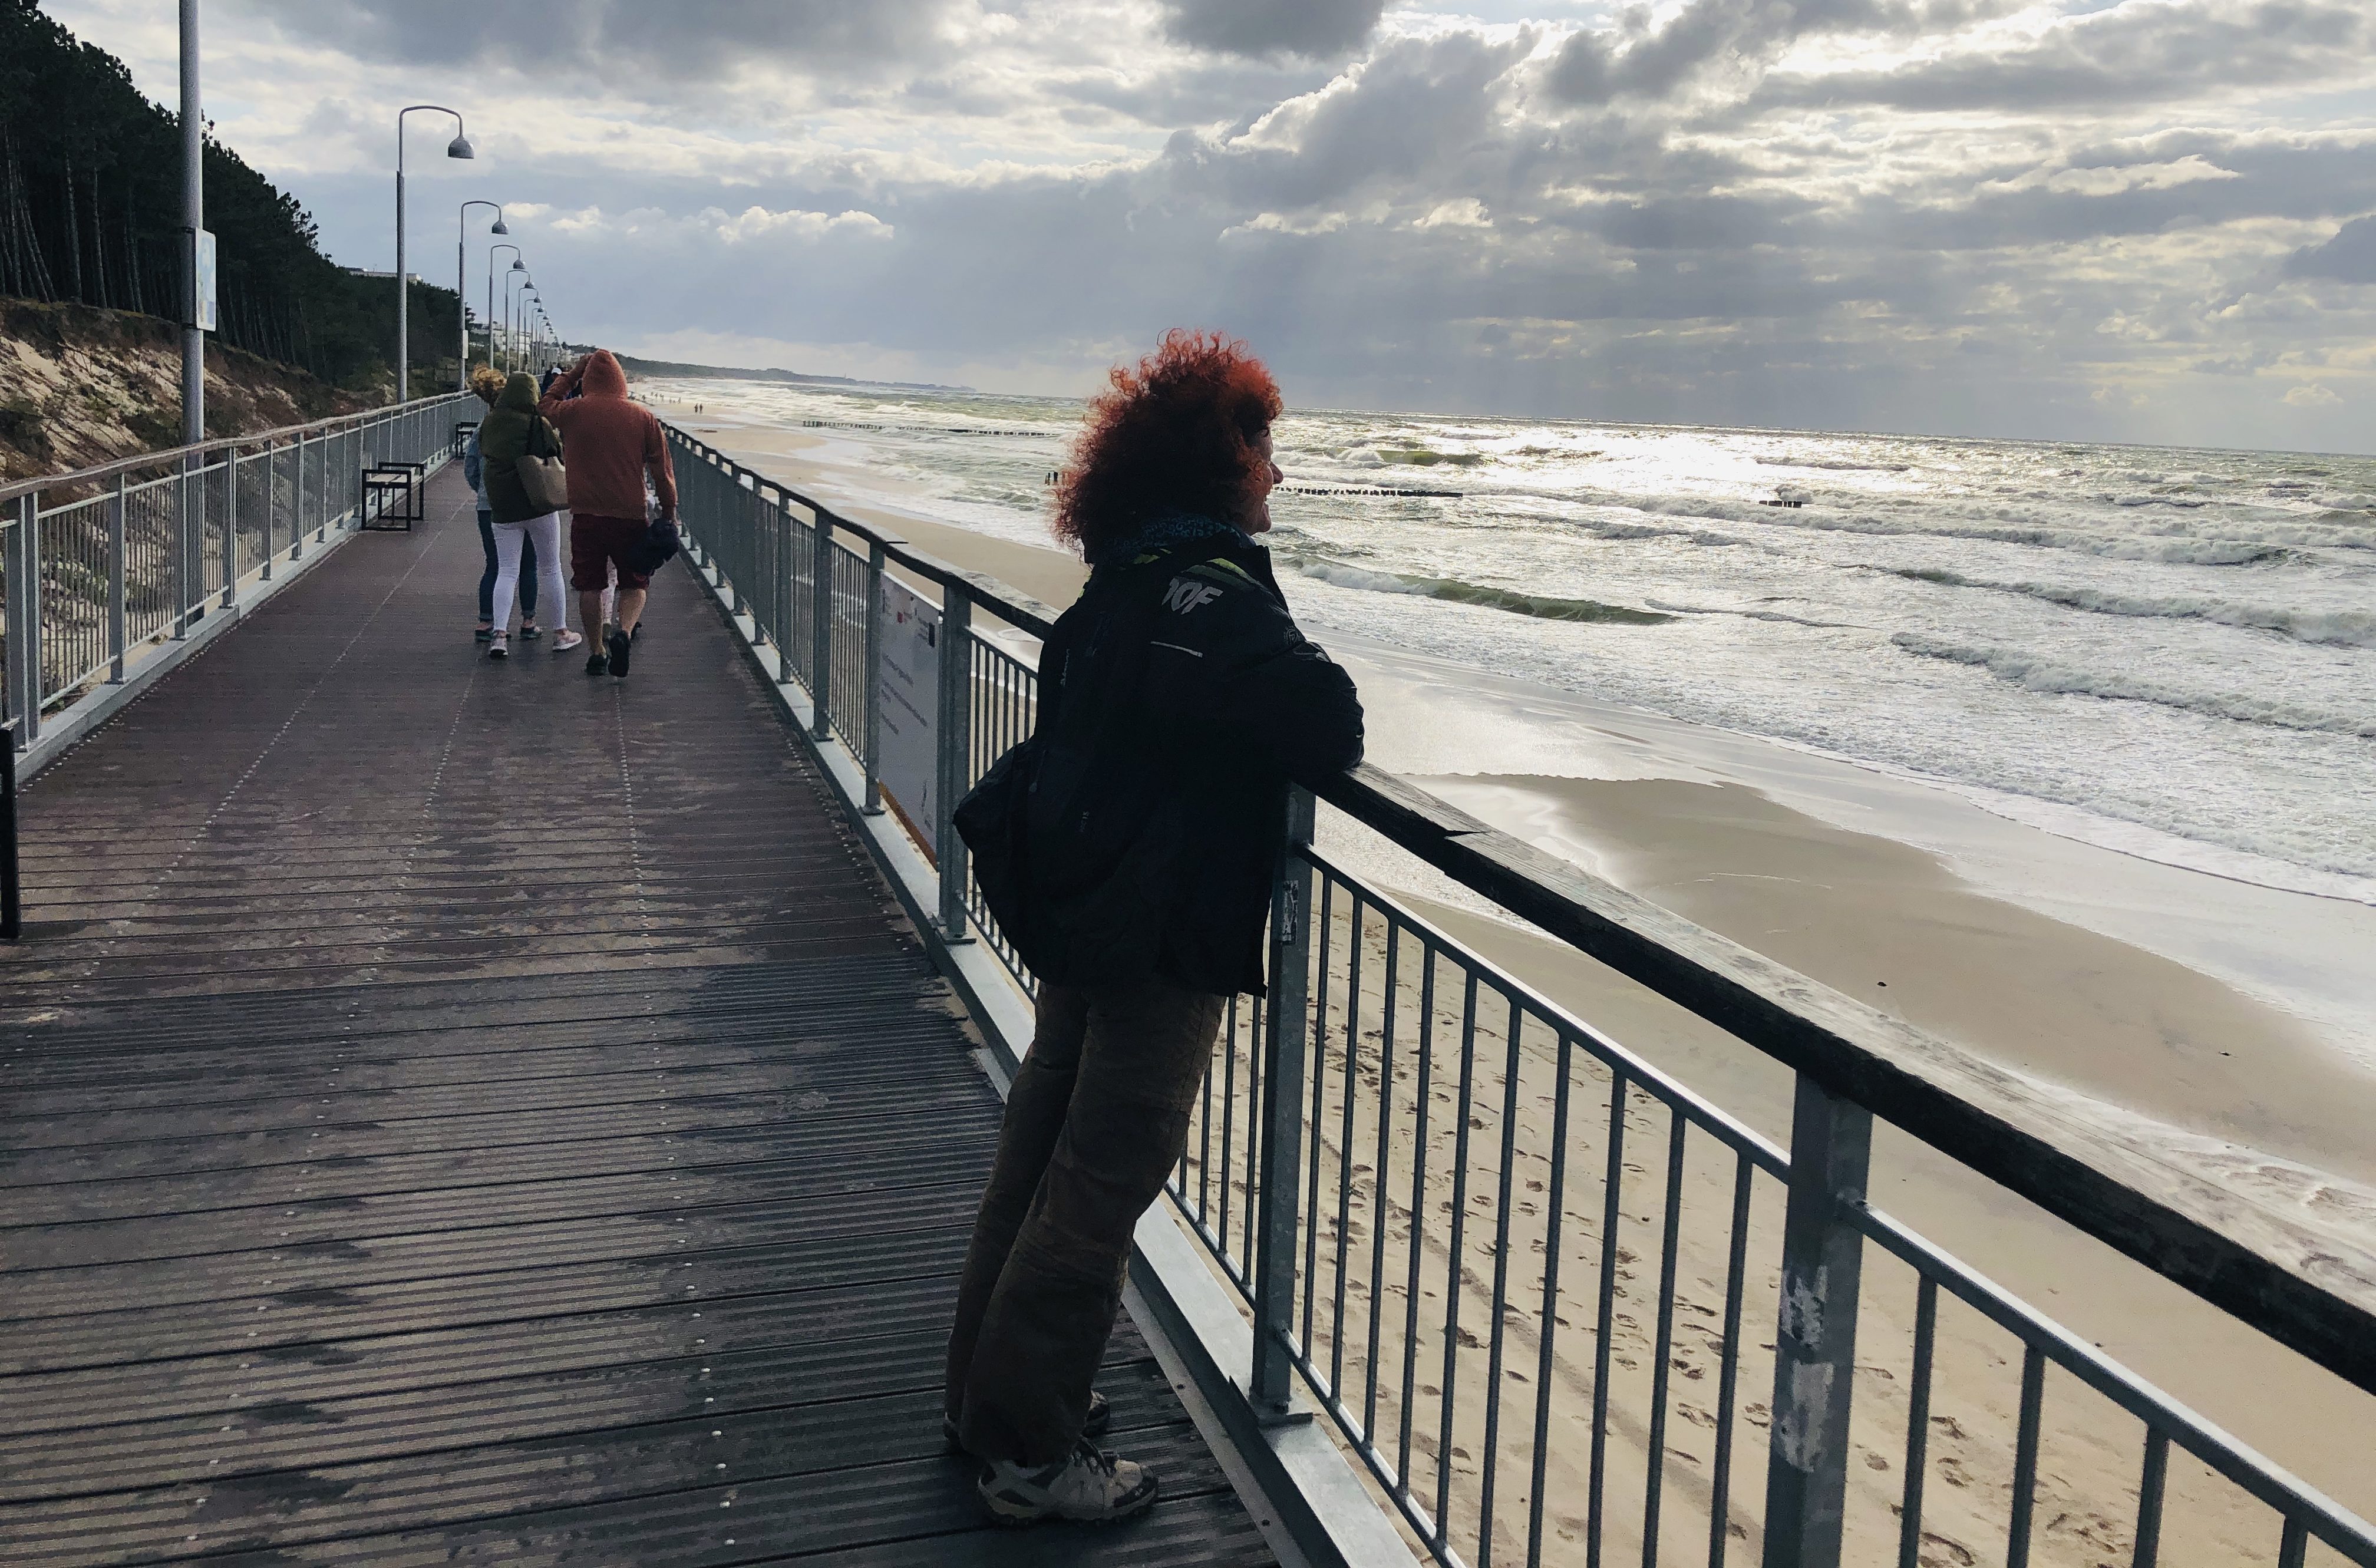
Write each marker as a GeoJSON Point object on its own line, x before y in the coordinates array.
{"type": "Point", "coordinates": [614, 443]}
{"type": "Point", "coordinates": [488, 382]}
{"type": "Point", "coordinates": [511, 429]}
{"type": "Point", "coordinates": [1177, 698]}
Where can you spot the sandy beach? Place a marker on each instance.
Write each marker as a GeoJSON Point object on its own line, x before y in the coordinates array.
{"type": "Point", "coordinates": [2229, 1015]}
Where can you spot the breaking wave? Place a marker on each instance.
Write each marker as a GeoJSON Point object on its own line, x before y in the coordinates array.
{"type": "Point", "coordinates": [1536, 605]}
{"type": "Point", "coordinates": [2345, 628]}
{"type": "Point", "coordinates": [2048, 675]}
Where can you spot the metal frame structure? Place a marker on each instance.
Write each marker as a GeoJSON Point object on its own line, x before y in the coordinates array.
{"type": "Point", "coordinates": [103, 563]}
{"type": "Point", "coordinates": [1426, 1182]}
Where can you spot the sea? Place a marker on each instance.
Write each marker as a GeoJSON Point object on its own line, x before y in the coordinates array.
{"type": "Point", "coordinates": [2166, 651]}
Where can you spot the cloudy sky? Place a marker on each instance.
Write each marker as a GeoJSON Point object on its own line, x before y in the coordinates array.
{"type": "Point", "coordinates": [2147, 220]}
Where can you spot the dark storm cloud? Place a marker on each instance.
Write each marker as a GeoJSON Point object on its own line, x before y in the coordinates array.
{"type": "Point", "coordinates": [2125, 55]}
{"type": "Point", "coordinates": [1273, 27]}
{"type": "Point", "coordinates": [622, 41]}
{"type": "Point", "coordinates": [2349, 257]}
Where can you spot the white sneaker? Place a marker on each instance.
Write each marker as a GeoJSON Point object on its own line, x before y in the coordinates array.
{"type": "Point", "coordinates": [1089, 1484]}
{"type": "Point", "coordinates": [566, 640]}
{"type": "Point", "coordinates": [499, 647]}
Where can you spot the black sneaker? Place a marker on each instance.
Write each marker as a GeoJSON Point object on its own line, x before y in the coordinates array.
{"type": "Point", "coordinates": [1089, 1485]}
{"type": "Point", "coordinates": [530, 633]}
{"type": "Point", "coordinates": [1100, 1417]}
{"type": "Point", "coordinates": [622, 647]}
{"type": "Point", "coordinates": [598, 663]}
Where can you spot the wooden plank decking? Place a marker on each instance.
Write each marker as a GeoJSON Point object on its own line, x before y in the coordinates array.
{"type": "Point", "coordinates": [455, 1111]}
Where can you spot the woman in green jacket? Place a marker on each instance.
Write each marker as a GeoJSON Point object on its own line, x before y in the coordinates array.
{"type": "Point", "coordinates": [503, 439]}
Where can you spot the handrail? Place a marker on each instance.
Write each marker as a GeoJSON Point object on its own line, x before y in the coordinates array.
{"type": "Point", "coordinates": [2308, 1291]}
{"type": "Point", "coordinates": [12, 489]}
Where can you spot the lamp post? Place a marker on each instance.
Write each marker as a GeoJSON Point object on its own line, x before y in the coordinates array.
{"type": "Point", "coordinates": [194, 217]}
{"type": "Point", "coordinates": [458, 148]}
{"type": "Point", "coordinates": [491, 293]}
{"type": "Point", "coordinates": [519, 274]}
{"type": "Point", "coordinates": [461, 247]}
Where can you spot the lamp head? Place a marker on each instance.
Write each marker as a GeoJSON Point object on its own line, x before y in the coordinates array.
{"type": "Point", "coordinates": [499, 228]}
{"type": "Point", "coordinates": [518, 266]}
{"type": "Point", "coordinates": [459, 148]}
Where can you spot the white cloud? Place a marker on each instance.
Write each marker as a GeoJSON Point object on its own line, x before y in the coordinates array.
{"type": "Point", "coordinates": [1961, 215]}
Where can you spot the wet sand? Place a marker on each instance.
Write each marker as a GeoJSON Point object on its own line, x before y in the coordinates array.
{"type": "Point", "coordinates": [1889, 923]}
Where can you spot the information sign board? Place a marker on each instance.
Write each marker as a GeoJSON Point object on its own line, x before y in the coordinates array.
{"type": "Point", "coordinates": [909, 693]}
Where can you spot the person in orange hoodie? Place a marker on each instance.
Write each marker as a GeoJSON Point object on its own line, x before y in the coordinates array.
{"type": "Point", "coordinates": [612, 443]}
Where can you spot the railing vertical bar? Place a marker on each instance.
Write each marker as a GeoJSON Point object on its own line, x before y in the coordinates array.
{"type": "Point", "coordinates": [1728, 1395]}
{"type": "Point", "coordinates": [1612, 1215]}
{"type": "Point", "coordinates": [1546, 1366]}
{"type": "Point", "coordinates": [2024, 1461]}
{"type": "Point", "coordinates": [1228, 1125]}
{"type": "Point", "coordinates": [821, 631]}
{"type": "Point", "coordinates": [1381, 1218]}
{"type": "Point", "coordinates": [230, 527]}
{"type": "Point", "coordinates": [1422, 1085]}
{"type": "Point", "coordinates": [1353, 950]}
{"type": "Point", "coordinates": [1327, 922]}
{"type": "Point", "coordinates": [1662, 1375]}
{"type": "Point", "coordinates": [1918, 1423]}
{"type": "Point", "coordinates": [2295, 1545]}
{"type": "Point", "coordinates": [117, 597]}
{"type": "Point", "coordinates": [1490, 1463]}
{"type": "Point", "coordinates": [1452, 1269]}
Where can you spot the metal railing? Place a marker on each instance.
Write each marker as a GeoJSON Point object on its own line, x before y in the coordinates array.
{"type": "Point", "coordinates": [1528, 1278]}
{"type": "Point", "coordinates": [104, 561]}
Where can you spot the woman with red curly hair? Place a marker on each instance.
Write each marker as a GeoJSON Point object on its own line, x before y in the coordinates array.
{"type": "Point", "coordinates": [1128, 849]}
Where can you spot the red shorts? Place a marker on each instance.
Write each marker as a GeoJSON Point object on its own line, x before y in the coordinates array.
{"type": "Point", "coordinates": [598, 543]}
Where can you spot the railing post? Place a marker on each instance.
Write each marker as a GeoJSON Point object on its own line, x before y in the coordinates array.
{"type": "Point", "coordinates": [729, 588]}
{"type": "Point", "coordinates": [874, 747]}
{"type": "Point", "coordinates": [956, 731]}
{"type": "Point", "coordinates": [116, 568]}
{"type": "Point", "coordinates": [12, 899]}
{"type": "Point", "coordinates": [231, 525]}
{"type": "Point", "coordinates": [24, 568]}
{"type": "Point", "coordinates": [1814, 1352]}
{"type": "Point", "coordinates": [1280, 1151]}
{"type": "Point", "coordinates": [185, 550]}
{"type": "Point", "coordinates": [821, 630]}
{"type": "Point", "coordinates": [271, 504]}
{"type": "Point", "coordinates": [297, 504]}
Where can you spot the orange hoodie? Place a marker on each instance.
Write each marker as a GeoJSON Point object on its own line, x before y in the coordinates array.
{"type": "Point", "coordinates": [608, 442]}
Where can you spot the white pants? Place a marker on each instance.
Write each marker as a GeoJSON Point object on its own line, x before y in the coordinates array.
{"type": "Point", "coordinates": [552, 590]}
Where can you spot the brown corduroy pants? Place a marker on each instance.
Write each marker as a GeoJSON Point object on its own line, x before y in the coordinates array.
{"type": "Point", "coordinates": [1096, 1118]}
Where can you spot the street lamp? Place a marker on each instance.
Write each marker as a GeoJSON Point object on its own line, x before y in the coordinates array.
{"type": "Point", "coordinates": [461, 246]}
{"type": "Point", "coordinates": [519, 274]}
{"type": "Point", "coordinates": [491, 293]}
{"type": "Point", "coordinates": [528, 336]}
{"type": "Point", "coordinates": [458, 148]}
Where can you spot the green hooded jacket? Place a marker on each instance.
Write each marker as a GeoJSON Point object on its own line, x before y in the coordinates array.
{"type": "Point", "coordinates": [504, 438]}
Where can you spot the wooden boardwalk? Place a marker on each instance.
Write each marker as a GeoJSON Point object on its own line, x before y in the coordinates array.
{"type": "Point", "coordinates": [469, 1112]}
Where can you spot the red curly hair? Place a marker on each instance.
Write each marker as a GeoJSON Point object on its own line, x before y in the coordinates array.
{"type": "Point", "coordinates": [1175, 433]}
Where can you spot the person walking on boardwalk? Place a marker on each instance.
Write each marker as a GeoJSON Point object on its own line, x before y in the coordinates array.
{"type": "Point", "coordinates": [614, 443]}
{"type": "Point", "coordinates": [488, 382]}
{"type": "Point", "coordinates": [511, 429]}
{"type": "Point", "coordinates": [1128, 848]}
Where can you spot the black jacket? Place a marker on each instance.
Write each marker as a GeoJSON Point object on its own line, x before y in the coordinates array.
{"type": "Point", "coordinates": [1177, 698]}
